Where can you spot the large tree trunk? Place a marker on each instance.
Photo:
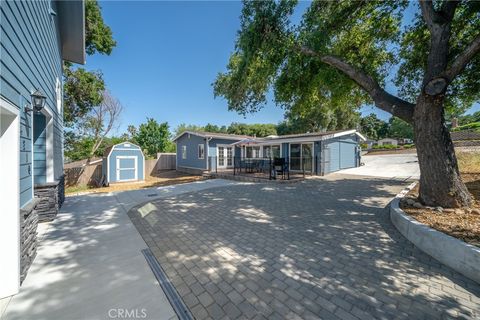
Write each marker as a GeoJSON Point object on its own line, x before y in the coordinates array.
{"type": "Point", "coordinates": [440, 181]}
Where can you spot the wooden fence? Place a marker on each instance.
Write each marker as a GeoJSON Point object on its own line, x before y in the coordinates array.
{"type": "Point", "coordinates": [89, 175]}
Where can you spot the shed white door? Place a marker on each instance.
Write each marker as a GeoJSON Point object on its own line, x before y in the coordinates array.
{"type": "Point", "coordinates": [127, 168]}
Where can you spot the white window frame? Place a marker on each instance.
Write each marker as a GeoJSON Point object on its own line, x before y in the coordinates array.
{"type": "Point", "coordinates": [225, 156]}
{"type": "Point", "coordinates": [184, 152]}
{"type": "Point", "coordinates": [201, 151]}
{"type": "Point", "coordinates": [118, 169]}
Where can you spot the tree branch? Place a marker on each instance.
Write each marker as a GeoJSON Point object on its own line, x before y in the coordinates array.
{"type": "Point", "coordinates": [428, 12]}
{"type": "Point", "coordinates": [463, 59]}
{"type": "Point", "coordinates": [382, 99]}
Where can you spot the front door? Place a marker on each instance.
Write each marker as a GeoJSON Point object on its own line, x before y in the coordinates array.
{"type": "Point", "coordinates": [225, 157]}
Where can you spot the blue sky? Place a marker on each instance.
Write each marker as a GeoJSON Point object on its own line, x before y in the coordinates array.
{"type": "Point", "coordinates": [167, 56]}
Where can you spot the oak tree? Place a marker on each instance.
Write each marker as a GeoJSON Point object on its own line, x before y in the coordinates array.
{"type": "Point", "coordinates": [349, 50]}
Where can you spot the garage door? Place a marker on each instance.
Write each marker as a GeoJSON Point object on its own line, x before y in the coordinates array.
{"type": "Point", "coordinates": [339, 155]}
{"type": "Point", "coordinates": [347, 155]}
{"type": "Point", "coordinates": [127, 168]}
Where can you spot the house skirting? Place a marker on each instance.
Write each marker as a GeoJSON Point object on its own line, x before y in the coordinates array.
{"type": "Point", "coordinates": [28, 237]}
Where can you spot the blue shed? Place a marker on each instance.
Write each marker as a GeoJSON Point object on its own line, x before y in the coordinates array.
{"type": "Point", "coordinates": [123, 162]}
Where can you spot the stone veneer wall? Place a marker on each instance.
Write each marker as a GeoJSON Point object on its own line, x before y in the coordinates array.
{"type": "Point", "coordinates": [28, 237]}
{"type": "Point", "coordinates": [48, 196]}
{"type": "Point", "coordinates": [61, 191]}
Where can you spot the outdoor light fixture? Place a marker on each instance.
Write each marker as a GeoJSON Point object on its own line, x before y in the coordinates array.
{"type": "Point", "coordinates": [38, 101]}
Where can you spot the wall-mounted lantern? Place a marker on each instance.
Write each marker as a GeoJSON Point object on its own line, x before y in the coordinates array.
{"type": "Point", "coordinates": [38, 101]}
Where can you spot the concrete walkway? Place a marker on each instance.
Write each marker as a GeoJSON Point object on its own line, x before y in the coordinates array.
{"type": "Point", "coordinates": [89, 264]}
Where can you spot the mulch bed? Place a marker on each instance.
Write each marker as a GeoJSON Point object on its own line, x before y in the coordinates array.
{"type": "Point", "coordinates": [461, 223]}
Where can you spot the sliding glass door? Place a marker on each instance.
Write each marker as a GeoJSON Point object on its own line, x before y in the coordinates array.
{"type": "Point", "coordinates": [301, 157]}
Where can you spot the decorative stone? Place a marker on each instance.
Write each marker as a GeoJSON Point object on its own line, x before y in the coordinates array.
{"type": "Point", "coordinates": [475, 211]}
{"type": "Point", "coordinates": [47, 207]}
{"type": "Point", "coordinates": [448, 210]}
{"type": "Point", "coordinates": [28, 237]}
{"type": "Point", "coordinates": [439, 209]}
{"type": "Point", "coordinates": [459, 211]}
{"type": "Point", "coordinates": [410, 201]}
{"type": "Point", "coordinates": [418, 205]}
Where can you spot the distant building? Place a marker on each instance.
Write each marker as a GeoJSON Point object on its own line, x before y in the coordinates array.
{"type": "Point", "coordinates": [386, 141]}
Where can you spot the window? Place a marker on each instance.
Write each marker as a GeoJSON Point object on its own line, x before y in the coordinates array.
{"type": "Point", "coordinates": [184, 152]}
{"type": "Point", "coordinates": [253, 152]}
{"type": "Point", "coordinates": [201, 151]}
{"type": "Point", "coordinates": [271, 151]}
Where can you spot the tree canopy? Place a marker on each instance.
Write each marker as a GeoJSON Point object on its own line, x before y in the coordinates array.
{"type": "Point", "coordinates": [153, 137]}
{"type": "Point", "coordinates": [83, 89]}
{"type": "Point", "coordinates": [342, 54]}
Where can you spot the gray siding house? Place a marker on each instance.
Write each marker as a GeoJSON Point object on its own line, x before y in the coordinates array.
{"type": "Point", "coordinates": [36, 36]}
{"type": "Point", "coordinates": [313, 153]}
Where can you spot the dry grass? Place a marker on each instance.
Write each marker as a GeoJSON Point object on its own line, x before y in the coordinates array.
{"type": "Point", "coordinates": [163, 178]}
{"type": "Point", "coordinates": [468, 162]}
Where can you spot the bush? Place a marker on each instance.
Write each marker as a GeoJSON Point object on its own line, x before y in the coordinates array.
{"type": "Point", "coordinates": [364, 146]}
{"type": "Point", "coordinates": [471, 126]}
{"type": "Point", "coordinates": [385, 146]}
{"type": "Point", "coordinates": [409, 146]}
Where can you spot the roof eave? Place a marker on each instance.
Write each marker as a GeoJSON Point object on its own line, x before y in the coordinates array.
{"type": "Point", "coordinates": [71, 19]}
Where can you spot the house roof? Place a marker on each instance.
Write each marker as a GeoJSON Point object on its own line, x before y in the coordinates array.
{"type": "Point", "coordinates": [206, 134]}
{"type": "Point", "coordinates": [311, 136]}
{"type": "Point", "coordinates": [465, 135]}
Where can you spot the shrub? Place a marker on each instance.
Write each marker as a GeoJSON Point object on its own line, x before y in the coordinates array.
{"type": "Point", "coordinates": [470, 126]}
{"type": "Point", "coordinates": [385, 146]}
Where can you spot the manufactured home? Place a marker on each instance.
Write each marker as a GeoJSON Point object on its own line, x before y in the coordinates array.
{"type": "Point", "coordinates": [311, 153]}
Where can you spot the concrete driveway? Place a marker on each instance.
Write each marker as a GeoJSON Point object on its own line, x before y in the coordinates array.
{"type": "Point", "coordinates": [403, 166]}
{"type": "Point", "coordinates": [317, 249]}
{"type": "Point", "coordinates": [89, 263]}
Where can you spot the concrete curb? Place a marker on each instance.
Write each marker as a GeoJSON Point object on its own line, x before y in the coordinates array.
{"type": "Point", "coordinates": [458, 255]}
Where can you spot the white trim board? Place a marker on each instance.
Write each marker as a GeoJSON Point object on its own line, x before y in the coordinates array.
{"type": "Point", "coordinates": [10, 199]}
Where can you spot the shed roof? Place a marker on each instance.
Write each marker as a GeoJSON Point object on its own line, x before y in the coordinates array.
{"type": "Point", "coordinates": [109, 149]}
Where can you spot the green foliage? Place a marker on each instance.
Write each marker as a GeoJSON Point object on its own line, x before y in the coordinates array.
{"type": "Point", "coordinates": [78, 148]}
{"type": "Point", "coordinates": [186, 127]}
{"type": "Point", "coordinates": [98, 36]}
{"type": "Point", "coordinates": [267, 55]}
{"type": "Point", "coordinates": [373, 127]}
{"type": "Point", "coordinates": [399, 129]}
{"type": "Point", "coordinates": [385, 146]}
{"type": "Point", "coordinates": [469, 118]}
{"type": "Point", "coordinates": [414, 47]}
{"type": "Point", "coordinates": [153, 137]}
{"type": "Point", "coordinates": [83, 91]}
{"type": "Point", "coordinates": [475, 126]}
{"type": "Point", "coordinates": [368, 35]}
{"type": "Point", "coordinates": [258, 130]}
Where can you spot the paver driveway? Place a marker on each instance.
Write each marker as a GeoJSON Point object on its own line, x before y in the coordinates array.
{"type": "Point", "coordinates": [319, 249]}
